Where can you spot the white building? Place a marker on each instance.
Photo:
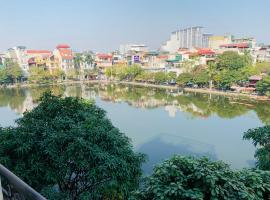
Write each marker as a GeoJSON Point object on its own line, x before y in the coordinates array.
{"type": "Point", "coordinates": [124, 49]}
{"type": "Point", "coordinates": [19, 55]}
{"type": "Point", "coordinates": [191, 37]}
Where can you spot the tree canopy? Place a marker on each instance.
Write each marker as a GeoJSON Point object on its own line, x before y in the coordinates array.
{"type": "Point", "coordinates": [69, 146]}
{"type": "Point", "coordinates": [10, 72]}
{"type": "Point", "coordinates": [261, 139]}
{"type": "Point", "coordinates": [263, 86]}
{"type": "Point", "coordinates": [232, 60]}
{"type": "Point", "coordinates": [201, 179]}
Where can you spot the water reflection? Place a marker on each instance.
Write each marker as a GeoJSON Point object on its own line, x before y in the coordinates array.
{"type": "Point", "coordinates": [173, 101]}
{"type": "Point", "coordinates": [163, 147]}
{"type": "Point", "coordinates": [162, 122]}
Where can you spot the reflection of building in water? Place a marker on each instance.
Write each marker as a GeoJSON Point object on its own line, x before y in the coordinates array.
{"type": "Point", "coordinates": [88, 94]}
{"type": "Point", "coordinates": [193, 109]}
{"type": "Point", "coordinates": [27, 105]}
{"type": "Point", "coordinates": [172, 110]}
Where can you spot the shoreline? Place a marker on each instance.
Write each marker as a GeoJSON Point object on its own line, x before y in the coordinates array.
{"type": "Point", "coordinates": [186, 89]}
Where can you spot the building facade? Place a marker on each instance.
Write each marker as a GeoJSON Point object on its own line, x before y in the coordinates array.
{"type": "Point", "coordinates": [64, 55]}
{"type": "Point", "coordinates": [18, 54]}
{"type": "Point", "coordinates": [191, 37]}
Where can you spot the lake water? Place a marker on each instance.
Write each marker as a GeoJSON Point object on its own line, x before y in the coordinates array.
{"type": "Point", "coordinates": [162, 122]}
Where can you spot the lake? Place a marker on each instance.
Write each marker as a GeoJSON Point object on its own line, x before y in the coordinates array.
{"type": "Point", "coordinates": [162, 122]}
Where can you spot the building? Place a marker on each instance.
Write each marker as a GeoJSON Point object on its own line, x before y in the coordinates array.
{"type": "Point", "coordinates": [216, 41]}
{"type": "Point", "coordinates": [191, 37]}
{"type": "Point", "coordinates": [38, 58]}
{"type": "Point", "coordinates": [262, 53]}
{"type": "Point", "coordinates": [103, 60]}
{"type": "Point", "coordinates": [18, 54]}
{"type": "Point", "coordinates": [64, 55]}
{"type": "Point", "coordinates": [126, 48]}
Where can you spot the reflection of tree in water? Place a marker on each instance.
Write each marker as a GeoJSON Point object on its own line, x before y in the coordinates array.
{"type": "Point", "coordinates": [36, 92]}
{"type": "Point", "coordinates": [263, 111]}
{"type": "Point", "coordinates": [12, 97]}
{"type": "Point", "coordinates": [162, 148]}
{"type": "Point", "coordinates": [196, 104]}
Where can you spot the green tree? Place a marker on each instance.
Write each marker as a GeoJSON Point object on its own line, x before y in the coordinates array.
{"type": "Point", "coordinates": [72, 74]}
{"type": "Point", "coordinates": [11, 72]}
{"type": "Point", "coordinates": [202, 78]}
{"type": "Point", "coordinates": [69, 144]}
{"type": "Point", "coordinates": [77, 61]}
{"type": "Point", "coordinates": [231, 60]}
{"type": "Point", "coordinates": [261, 139]}
{"type": "Point", "coordinates": [160, 77]}
{"type": "Point", "coordinates": [171, 76]}
{"type": "Point", "coordinates": [184, 78]}
{"type": "Point", "coordinates": [201, 179]}
{"type": "Point", "coordinates": [263, 86]}
{"type": "Point", "coordinates": [39, 75]}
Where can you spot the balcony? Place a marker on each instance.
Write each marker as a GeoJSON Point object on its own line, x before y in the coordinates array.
{"type": "Point", "coordinates": [13, 188]}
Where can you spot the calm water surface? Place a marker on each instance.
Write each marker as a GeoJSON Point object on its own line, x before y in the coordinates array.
{"type": "Point", "coordinates": [162, 122]}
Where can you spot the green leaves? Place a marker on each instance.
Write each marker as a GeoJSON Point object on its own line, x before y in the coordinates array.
{"type": "Point", "coordinates": [263, 86]}
{"type": "Point", "coordinates": [69, 143]}
{"type": "Point", "coordinates": [190, 178]}
{"type": "Point", "coordinates": [261, 139]}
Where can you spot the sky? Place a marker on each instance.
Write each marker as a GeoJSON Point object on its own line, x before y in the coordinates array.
{"type": "Point", "coordinates": [102, 25]}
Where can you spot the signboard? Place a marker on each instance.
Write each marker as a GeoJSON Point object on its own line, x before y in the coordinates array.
{"type": "Point", "coordinates": [136, 59]}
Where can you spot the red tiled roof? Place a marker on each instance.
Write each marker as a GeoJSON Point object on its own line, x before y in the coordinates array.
{"type": "Point", "coordinates": [38, 52]}
{"type": "Point", "coordinates": [255, 78]}
{"type": "Point", "coordinates": [62, 46]}
{"type": "Point", "coordinates": [104, 56]}
{"type": "Point", "coordinates": [66, 54]}
{"type": "Point", "coordinates": [239, 45]}
{"type": "Point", "coordinates": [205, 52]}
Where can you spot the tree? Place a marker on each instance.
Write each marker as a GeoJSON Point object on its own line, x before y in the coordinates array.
{"type": "Point", "coordinates": [202, 179]}
{"type": "Point", "coordinates": [184, 78]}
{"type": "Point", "coordinates": [57, 74]}
{"type": "Point", "coordinates": [160, 77]}
{"type": "Point", "coordinates": [69, 146]}
{"type": "Point", "coordinates": [263, 86]}
{"type": "Point", "coordinates": [11, 72]}
{"type": "Point", "coordinates": [39, 75]}
{"type": "Point", "coordinates": [88, 59]}
{"type": "Point", "coordinates": [171, 76]}
{"type": "Point", "coordinates": [77, 61]}
{"type": "Point", "coordinates": [202, 78]}
{"type": "Point", "coordinates": [72, 74]}
{"type": "Point", "coordinates": [261, 139]}
{"type": "Point", "coordinates": [231, 60]}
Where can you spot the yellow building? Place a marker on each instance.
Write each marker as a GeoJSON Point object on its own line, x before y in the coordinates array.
{"type": "Point", "coordinates": [216, 41]}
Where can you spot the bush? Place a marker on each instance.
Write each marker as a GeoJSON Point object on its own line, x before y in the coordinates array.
{"type": "Point", "coordinates": [201, 179]}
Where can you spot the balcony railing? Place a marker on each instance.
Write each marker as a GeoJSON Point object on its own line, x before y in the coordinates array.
{"type": "Point", "coordinates": [13, 188]}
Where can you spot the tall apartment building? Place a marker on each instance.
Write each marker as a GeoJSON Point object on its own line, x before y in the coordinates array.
{"type": "Point", "coordinates": [192, 37]}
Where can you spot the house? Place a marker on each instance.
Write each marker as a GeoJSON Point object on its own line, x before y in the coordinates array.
{"type": "Point", "coordinates": [253, 80]}
{"type": "Point", "coordinates": [104, 60]}
{"type": "Point", "coordinates": [64, 55]}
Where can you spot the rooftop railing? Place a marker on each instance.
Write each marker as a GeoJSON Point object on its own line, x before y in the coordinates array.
{"type": "Point", "coordinates": [13, 188]}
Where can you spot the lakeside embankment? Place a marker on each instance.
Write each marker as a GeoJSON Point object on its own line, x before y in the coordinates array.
{"type": "Point", "coordinates": [186, 89]}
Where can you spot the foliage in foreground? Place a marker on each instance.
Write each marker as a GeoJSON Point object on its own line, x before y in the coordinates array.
{"type": "Point", "coordinates": [67, 148]}
{"type": "Point", "coordinates": [261, 139]}
{"type": "Point", "coordinates": [201, 179]}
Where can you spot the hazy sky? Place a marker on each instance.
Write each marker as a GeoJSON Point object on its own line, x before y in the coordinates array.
{"type": "Point", "coordinates": [103, 25]}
